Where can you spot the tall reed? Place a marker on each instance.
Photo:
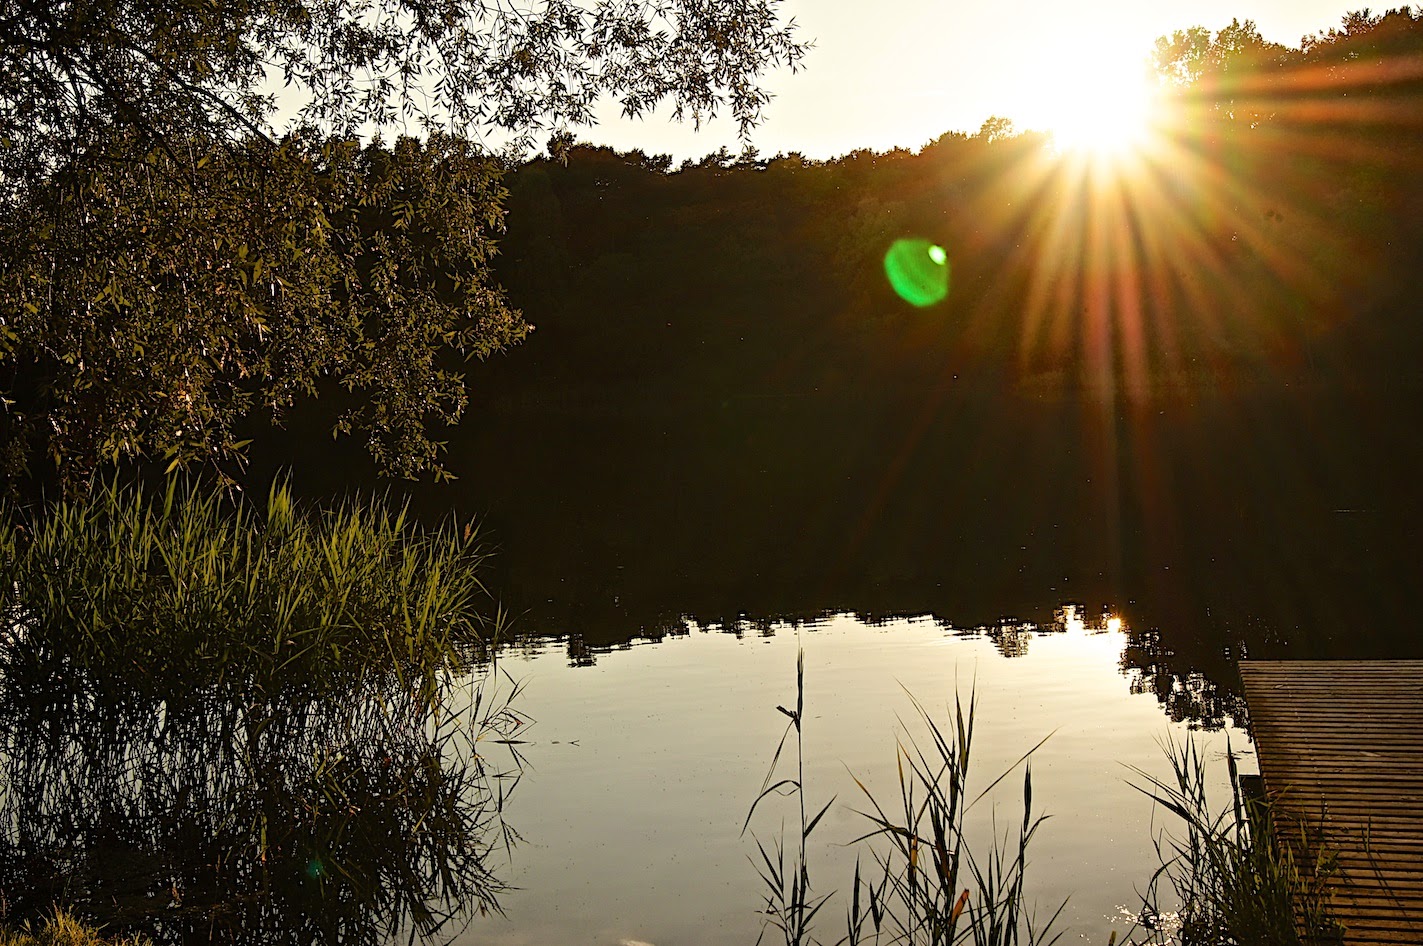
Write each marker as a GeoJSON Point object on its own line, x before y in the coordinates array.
{"type": "Point", "coordinates": [154, 592]}
{"type": "Point", "coordinates": [790, 906]}
{"type": "Point", "coordinates": [1236, 880]}
{"type": "Point", "coordinates": [928, 887]}
{"type": "Point", "coordinates": [931, 887]}
{"type": "Point", "coordinates": [300, 820]}
{"type": "Point", "coordinates": [271, 724]}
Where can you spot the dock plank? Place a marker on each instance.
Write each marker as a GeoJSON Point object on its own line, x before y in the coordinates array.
{"type": "Point", "coordinates": [1340, 746]}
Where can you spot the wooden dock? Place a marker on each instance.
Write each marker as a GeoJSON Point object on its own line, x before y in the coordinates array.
{"type": "Point", "coordinates": [1340, 745]}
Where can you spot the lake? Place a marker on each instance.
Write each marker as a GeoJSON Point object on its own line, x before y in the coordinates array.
{"type": "Point", "coordinates": [664, 555]}
{"type": "Point", "coordinates": [1092, 569]}
{"type": "Point", "coordinates": [644, 760]}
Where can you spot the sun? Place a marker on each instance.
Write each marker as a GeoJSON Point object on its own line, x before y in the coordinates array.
{"type": "Point", "coordinates": [1099, 109]}
{"type": "Point", "coordinates": [1106, 125]}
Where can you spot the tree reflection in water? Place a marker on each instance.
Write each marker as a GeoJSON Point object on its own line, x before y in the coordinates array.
{"type": "Point", "coordinates": [226, 813]}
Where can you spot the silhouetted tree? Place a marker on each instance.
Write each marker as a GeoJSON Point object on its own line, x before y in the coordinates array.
{"type": "Point", "coordinates": [169, 265]}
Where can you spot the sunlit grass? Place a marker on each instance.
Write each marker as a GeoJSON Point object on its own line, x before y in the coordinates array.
{"type": "Point", "coordinates": [61, 929]}
{"type": "Point", "coordinates": [155, 592]}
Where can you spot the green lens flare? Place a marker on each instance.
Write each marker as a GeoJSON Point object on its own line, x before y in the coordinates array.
{"type": "Point", "coordinates": [918, 271]}
{"type": "Point", "coordinates": [315, 869]}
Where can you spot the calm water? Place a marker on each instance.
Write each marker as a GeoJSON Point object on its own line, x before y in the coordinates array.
{"type": "Point", "coordinates": [633, 531]}
{"type": "Point", "coordinates": [664, 556]}
{"type": "Point", "coordinates": [643, 765]}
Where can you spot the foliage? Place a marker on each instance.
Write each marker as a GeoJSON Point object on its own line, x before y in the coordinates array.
{"type": "Point", "coordinates": [791, 907]}
{"type": "Point", "coordinates": [922, 894]}
{"type": "Point", "coordinates": [1238, 882]}
{"type": "Point", "coordinates": [267, 722]}
{"type": "Point", "coordinates": [733, 326]}
{"type": "Point", "coordinates": [917, 896]}
{"type": "Point", "coordinates": [245, 278]}
{"type": "Point", "coordinates": [288, 817]}
{"type": "Point", "coordinates": [76, 72]}
{"type": "Point", "coordinates": [1285, 230]}
{"type": "Point", "coordinates": [61, 929]}
{"type": "Point", "coordinates": [1193, 55]}
{"type": "Point", "coordinates": [157, 593]}
{"type": "Point", "coordinates": [169, 267]}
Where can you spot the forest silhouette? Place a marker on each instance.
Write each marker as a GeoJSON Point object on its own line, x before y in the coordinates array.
{"type": "Point", "coordinates": [1186, 384]}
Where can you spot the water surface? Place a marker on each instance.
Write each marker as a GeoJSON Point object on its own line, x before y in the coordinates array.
{"type": "Point", "coordinates": [637, 521]}
{"type": "Point", "coordinates": [643, 766]}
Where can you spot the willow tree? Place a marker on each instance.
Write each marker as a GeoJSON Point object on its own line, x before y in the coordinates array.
{"type": "Point", "coordinates": [170, 263]}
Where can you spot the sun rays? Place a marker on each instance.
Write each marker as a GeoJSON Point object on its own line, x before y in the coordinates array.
{"type": "Point", "coordinates": [1146, 245]}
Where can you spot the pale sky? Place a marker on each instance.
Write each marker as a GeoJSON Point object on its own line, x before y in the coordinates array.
{"type": "Point", "coordinates": [888, 73]}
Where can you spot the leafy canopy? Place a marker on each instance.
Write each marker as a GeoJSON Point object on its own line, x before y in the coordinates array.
{"type": "Point", "coordinates": [154, 304]}
{"type": "Point", "coordinates": [169, 264]}
{"type": "Point", "coordinates": [70, 71]}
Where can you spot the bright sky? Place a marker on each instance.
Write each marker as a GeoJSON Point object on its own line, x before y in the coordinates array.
{"type": "Point", "coordinates": [902, 72]}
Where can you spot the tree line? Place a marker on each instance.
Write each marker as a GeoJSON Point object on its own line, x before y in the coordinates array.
{"type": "Point", "coordinates": [171, 274]}
{"type": "Point", "coordinates": [1268, 234]}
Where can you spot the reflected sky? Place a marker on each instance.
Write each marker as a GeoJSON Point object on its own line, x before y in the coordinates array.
{"type": "Point", "coordinates": [644, 764]}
